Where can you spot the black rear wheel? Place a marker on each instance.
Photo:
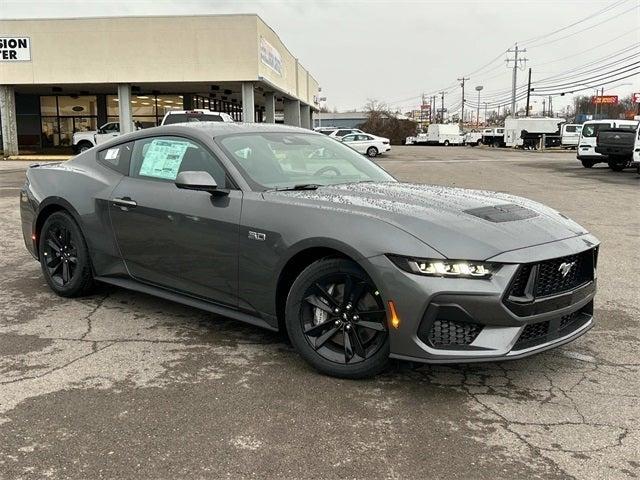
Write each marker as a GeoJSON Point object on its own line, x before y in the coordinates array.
{"type": "Point", "coordinates": [587, 163]}
{"type": "Point", "coordinates": [617, 165]}
{"type": "Point", "coordinates": [64, 256]}
{"type": "Point", "coordinates": [336, 319]}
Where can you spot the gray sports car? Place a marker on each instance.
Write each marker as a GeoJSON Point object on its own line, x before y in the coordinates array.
{"type": "Point", "coordinates": [288, 229]}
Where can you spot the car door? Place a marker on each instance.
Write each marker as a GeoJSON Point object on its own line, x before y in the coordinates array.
{"type": "Point", "coordinates": [185, 240]}
{"type": "Point", "coordinates": [353, 142]}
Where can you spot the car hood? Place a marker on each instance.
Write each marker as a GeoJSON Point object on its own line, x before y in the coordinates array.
{"type": "Point", "coordinates": [458, 223]}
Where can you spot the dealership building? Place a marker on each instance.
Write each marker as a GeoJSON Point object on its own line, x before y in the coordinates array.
{"type": "Point", "coordinates": [60, 76]}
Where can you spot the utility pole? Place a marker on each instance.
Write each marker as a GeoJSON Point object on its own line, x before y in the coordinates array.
{"type": "Point", "coordinates": [463, 79]}
{"type": "Point", "coordinates": [516, 64]}
{"type": "Point", "coordinates": [526, 114]}
{"type": "Point", "coordinates": [544, 110]}
{"type": "Point", "coordinates": [485, 114]}
{"type": "Point", "coordinates": [442, 109]}
{"type": "Point", "coordinates": [550, 107]}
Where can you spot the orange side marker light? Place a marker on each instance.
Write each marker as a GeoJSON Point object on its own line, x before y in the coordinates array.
{"type": "Point", "coordinates": [395, 319]}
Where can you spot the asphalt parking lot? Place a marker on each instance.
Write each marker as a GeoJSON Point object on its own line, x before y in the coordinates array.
{"type": "Point", "coordinates": [124, 385]}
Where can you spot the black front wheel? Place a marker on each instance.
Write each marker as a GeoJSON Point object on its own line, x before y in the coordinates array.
{"type": "Point", "coordinates": [372, 152]}
{"type": "Point", "coordinates": [64, 256]}
{"type": "Point", "coordinates": [336, 320]}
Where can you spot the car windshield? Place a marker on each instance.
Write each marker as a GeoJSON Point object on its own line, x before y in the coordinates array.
{"type": "Point", "coordinates": [285, 160]}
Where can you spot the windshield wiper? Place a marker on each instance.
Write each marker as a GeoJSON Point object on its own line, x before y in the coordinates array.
{"type": "Point", "coordinates": [301, 186]}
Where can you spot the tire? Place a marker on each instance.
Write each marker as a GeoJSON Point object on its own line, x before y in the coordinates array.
{"type": "Point", "coordinates": [372, 152]}
{"type": "Point", "coordinates": [479, 143]}
{"type": "Point", "coordinates": [64, 256]}
{"type": "Point", "coordinates": [587, 163]}
{"type": "Point", "coordinates": [84, 146]}
{"type": "Point", "coordinates": [446, 143]}
{"type": "Point", "coordinates": [327, 330]}
{"type": "Point", "coordinates": [617, 166]}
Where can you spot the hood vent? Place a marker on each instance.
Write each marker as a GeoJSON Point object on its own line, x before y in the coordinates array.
{"type": "Point", "coordinates": [507, 212]}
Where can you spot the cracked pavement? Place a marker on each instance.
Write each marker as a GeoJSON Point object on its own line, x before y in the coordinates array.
{"type": "Point", "coordinates": [124, 385]}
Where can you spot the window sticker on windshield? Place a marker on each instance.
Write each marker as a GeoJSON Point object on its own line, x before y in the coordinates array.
{"type": "Point", "coordinates": [163, 158]}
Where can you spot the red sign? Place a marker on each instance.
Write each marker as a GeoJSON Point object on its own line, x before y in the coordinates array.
{"type": "Point", "coordinates": [604, 99]}
{"type": "Point", "coordinates": [636, 97]}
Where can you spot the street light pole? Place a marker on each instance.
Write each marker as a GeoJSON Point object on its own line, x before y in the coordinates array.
{"type": "Point", "coordinates": [478, 89]}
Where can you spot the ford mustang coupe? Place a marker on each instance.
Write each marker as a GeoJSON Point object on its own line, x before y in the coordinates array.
{"type": "Point", "coordinates": [290, 230]}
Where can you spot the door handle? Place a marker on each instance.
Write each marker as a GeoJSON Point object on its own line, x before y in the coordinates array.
{"type": "Point", "coordinates": [124, 202]}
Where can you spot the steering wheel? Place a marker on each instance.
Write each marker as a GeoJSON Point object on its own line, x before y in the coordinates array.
{"type": "Point", "coordinates": [326, 169]}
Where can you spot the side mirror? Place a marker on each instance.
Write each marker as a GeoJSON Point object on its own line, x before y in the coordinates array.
{"type": "Point", "coordinates": [202, 181]}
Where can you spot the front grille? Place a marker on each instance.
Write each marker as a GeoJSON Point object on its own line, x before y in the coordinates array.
{"type": "Point", "coordinates": [551, 277]}
{"type": "Point", "coordinates": [445, 333]}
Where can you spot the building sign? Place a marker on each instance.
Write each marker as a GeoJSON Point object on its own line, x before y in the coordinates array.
{"type": "Point", "coordinates": [15, 49]}
{"type": "Point", "coordinates": [636, 97]}
{"type": "Point", "coordinates": [604, 100]}
{"type": "Point", "coordinates": [270, 56]}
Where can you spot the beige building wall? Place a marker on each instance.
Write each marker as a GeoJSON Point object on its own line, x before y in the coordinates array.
{"type": "Point", "coordinates": [213, 48]}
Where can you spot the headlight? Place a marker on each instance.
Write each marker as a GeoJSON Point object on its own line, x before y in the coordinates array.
{"type": "Point", "coordinates": [445, 268]}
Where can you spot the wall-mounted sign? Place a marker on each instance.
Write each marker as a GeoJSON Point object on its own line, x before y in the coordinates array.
{"type": "Point", "coordinates": [636, 97]}
{"type": "Point", "coordinates": [604, 99]}
{"type": "Point", "coordinates": [15, 49]}
{"type": "Point", "coordinates": [270, 56]}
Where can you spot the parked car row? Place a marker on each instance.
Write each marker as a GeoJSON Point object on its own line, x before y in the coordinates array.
{"type": "Point", "coordinates": [362, 142]}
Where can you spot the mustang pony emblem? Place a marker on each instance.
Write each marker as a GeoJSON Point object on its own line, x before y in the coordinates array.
{"type": "Point", "coordinates": [565, 268]}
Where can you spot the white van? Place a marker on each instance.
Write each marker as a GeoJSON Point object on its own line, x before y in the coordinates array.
{"type": "Point", "coordinates": [570, 135]}
{"type": "Point", "coordinates": [445, 134]}
{"type": "Point", "coordinates": [588, 138]}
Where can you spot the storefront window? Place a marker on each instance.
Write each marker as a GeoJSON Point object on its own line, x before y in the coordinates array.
{"type": "Point", "coordinates": [63, 115]}
{"type": "Point", "coordinates": [147, 110]}
{"type": "Point", "coordinates": [77, 105]}
{"type": "Point", "coordinates": [48, 106]}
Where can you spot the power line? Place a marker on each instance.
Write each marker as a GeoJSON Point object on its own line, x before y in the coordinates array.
{"type": "Point", "coordinates": [584, 29]}
{"type": "Point", "coordinates": [599, 12]}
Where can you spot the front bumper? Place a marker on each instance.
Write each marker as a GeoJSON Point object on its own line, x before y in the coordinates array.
{"type": "Point", "coordinates": [500, 333]}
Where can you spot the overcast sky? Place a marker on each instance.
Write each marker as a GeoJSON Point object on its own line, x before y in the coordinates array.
{"type": "Point", "coordinates": [395, 50]}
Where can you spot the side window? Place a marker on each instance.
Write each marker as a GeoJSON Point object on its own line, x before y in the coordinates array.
{"type": "Point", "coordinates": [162, 158]}
{"type": "Point", "coordinates": [349, 138]}
{"type": "Point", "coordinates": [571, 129]}
{"type": "Point", "coordinates": [342, 133]}
{"type": "Point", "coordinates": [117, 158]}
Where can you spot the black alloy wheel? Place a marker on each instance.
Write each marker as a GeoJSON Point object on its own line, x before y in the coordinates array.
{"type": "Point", "coordinates": [337, 320]}
{"type": "Point", "coordinates": [64, 256]}
{"type": "Point", "coordinates": [60, 254]}
{"type": "Point", "coordinates": [372, 152]}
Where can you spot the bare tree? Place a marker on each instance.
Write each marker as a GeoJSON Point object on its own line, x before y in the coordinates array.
{"type": "Point", "coordinates": [383, 122]}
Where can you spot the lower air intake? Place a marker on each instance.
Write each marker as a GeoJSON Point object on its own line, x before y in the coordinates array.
{"type": "Point", "coordinates": [447, 333]}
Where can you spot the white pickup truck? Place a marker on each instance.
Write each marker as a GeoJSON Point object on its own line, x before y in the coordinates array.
{"type": "Point", "coordinates": [85, 140]}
